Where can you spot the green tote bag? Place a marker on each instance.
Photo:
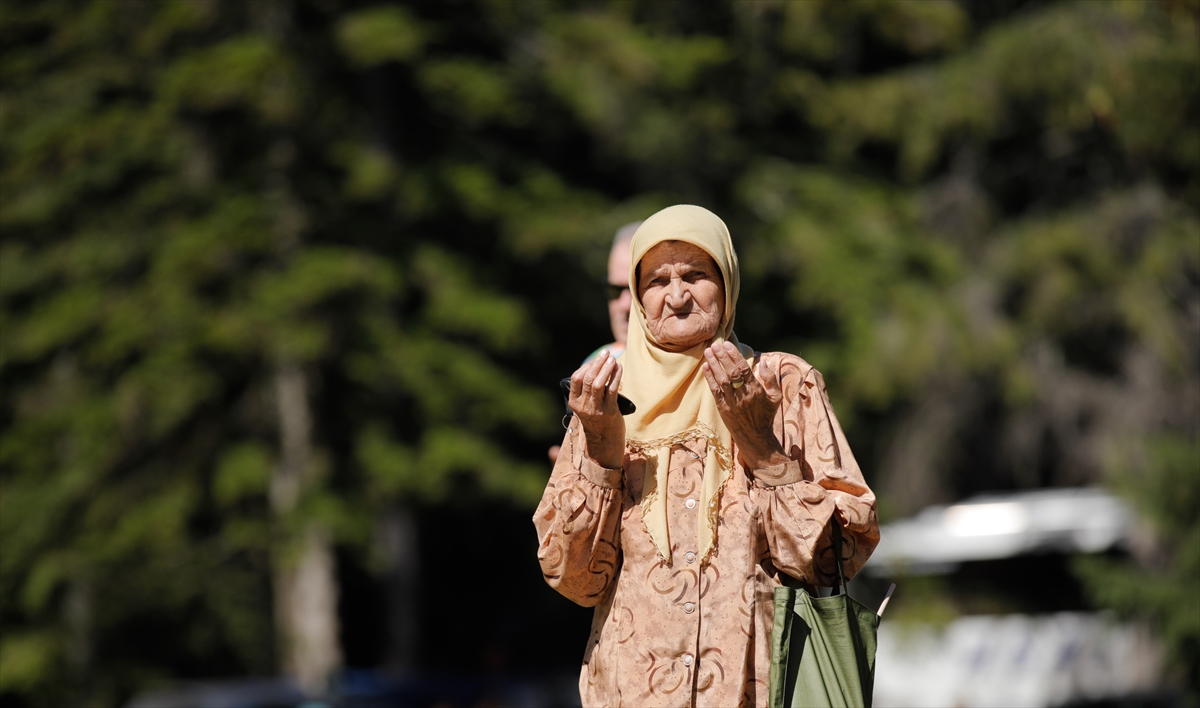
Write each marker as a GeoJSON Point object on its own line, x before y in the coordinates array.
{"type": "Point", "coordinates": [822, 648]}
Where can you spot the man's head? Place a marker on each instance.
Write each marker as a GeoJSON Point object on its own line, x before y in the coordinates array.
{"type": "Point", "coordinates": [619, 298]}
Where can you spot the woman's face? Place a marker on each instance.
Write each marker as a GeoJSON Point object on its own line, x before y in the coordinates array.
{"type": "Point", "coordinates": [683, 294]}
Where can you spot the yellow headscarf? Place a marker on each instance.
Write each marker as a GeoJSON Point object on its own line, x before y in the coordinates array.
{"type": "Point", "coordinates": [674, 403]}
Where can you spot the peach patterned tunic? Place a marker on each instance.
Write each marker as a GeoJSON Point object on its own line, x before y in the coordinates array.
{"type": "Point", "coordinates": [686, 632]}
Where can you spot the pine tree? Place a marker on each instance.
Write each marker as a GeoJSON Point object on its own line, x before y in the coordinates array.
{"type": "Point", "coordinates": [216, 365]}
{"type": "Point", "coordinates": [273, 271]}
{"type": "Point", "coordinates": [1160, 587]}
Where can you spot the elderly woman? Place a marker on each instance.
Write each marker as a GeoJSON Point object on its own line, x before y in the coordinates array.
{"type": "Point", "coordinates": [678, 522]}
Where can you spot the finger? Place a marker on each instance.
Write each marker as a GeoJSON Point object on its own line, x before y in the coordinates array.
{"type": "Point", "coordinates": [708, 377]}
{"type": "Point", "coordinates": [577, 381]}
{"type": "Point", "coordinates": [732, 374]}
{"type": "Point", "coordinates": [713, 384]}
{"type": "Point", "coordinates": [730, 360]}
{"type": "Point", "coordinates": [600, 383]}
{"type": "Point", "coordinates": [715, 367]}
{"type": "Point", "coordinates": [581, 380]}
{"type": "Point", "coordinates": [746, 374]}
{"type": "Point", "coordinates": [770, 383]}
{"type": "Point", "coordinates": [722, 358]}
{"type": "Point", "coordinates": [741, 366]}
{"type": "Point", "coordinates": [742, 371]}
{"type": "Point", "coordinates": [616, 380]}
{"type": "Point", "coordinates": [594, 368]}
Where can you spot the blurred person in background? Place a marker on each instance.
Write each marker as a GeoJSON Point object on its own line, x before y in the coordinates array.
{"type": "Point", "coordinates": [678, 523]}
{"type": "Point", "coordinates": [619, 299]}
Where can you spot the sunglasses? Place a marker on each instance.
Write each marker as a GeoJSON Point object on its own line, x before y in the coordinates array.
{"type": "Point", "coordinates": [615, 291]}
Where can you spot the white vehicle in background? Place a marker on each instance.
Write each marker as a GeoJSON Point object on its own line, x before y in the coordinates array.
{"type": "Point", "coordinates": [1053, 651]}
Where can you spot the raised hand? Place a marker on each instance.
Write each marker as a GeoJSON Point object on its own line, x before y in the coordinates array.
{"type": "Point", "coordinates": [746, 404]}
{"type": "Point", "coordinates": [593, 399]}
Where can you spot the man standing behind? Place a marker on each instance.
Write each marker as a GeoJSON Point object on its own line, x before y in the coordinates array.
{"type": "Point", "coordinates": [619, 298]}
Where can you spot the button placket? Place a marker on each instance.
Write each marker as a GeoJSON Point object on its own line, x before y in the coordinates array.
{"type": "Point", "coordinates": [692, 504]}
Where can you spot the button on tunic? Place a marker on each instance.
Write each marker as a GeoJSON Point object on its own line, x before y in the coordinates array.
{"type": "Point", "coordinates": [681, 632]}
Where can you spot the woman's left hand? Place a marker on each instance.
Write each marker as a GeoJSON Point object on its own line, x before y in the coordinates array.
{"type": "Point", "coordinates": [747, 405]}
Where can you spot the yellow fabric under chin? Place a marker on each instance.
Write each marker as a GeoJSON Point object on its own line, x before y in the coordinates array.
{"type": "Point", "coordinates": [674, 403]}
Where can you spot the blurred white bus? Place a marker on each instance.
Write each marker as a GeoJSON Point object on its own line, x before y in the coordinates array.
{"type": "Point", "coordinates": [1000, 619]}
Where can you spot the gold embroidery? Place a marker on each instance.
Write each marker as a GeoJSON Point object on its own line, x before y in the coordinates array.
{"type": "Point", "coordinates": [699, 431]}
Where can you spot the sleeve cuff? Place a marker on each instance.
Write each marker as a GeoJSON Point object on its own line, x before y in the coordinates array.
{"type": "Point", "coordinates": [777, 475]}
{"type": "Point", "coordinates": [600, 476]}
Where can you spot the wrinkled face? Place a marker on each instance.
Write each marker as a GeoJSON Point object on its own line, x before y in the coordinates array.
{"type": "Point", "coordinates": [683, 294]}
{"type": "Point", "coordinates": [618, 277]}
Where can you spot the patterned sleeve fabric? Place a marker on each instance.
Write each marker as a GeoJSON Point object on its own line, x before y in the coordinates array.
{"type": "Point", "coordinates": [797, 499]}
{"type": "Point", "coordinates": [684, 630]}
{"type": "Point", "coordinates": [578, 524]}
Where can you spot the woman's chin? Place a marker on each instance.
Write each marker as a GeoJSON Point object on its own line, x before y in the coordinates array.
{"type": "Point", "coordinates": [679, 342]}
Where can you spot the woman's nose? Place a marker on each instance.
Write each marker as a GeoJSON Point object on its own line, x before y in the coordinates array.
{"type": "Point", "coordinates": [678, 294]}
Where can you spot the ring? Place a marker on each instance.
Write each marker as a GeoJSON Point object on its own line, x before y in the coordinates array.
{"type": "Point", "coordinates": [738, 383]}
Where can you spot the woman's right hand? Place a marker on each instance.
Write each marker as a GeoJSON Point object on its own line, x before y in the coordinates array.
{"type": "Point", "coordinates": [593, 399]}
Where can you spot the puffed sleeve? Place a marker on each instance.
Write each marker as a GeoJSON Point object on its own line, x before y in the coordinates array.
{"type": "Point", "coordinates": [578, 523]}
{"type": "Point", "coordinates": [822, 481]}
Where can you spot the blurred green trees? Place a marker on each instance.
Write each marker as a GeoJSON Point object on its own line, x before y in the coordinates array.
{"type": "Point", "coordinates": [271, 268]}
{"type": "Point", "coordinates": [1165, 491]}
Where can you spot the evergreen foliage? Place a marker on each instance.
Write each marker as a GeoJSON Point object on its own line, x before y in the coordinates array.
{"type": "Point", "coordinates": [981, 220]}
{"type": "Point", "coordinates": [1161, 588]}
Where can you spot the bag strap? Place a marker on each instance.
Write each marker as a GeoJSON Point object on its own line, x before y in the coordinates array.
{"type": "Point", "coordinates": [837, 554]}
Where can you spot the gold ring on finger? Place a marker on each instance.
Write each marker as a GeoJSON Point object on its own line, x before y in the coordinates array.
{"type": "Point", "coordinates": [737, 383]}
